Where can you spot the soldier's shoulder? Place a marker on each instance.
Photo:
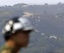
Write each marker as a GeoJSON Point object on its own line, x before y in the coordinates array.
{"type": "Point", "coordinates": [4, 50]}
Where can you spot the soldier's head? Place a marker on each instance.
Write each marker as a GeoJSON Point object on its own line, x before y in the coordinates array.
{"type": "Point", "coordinates": [18, 30]}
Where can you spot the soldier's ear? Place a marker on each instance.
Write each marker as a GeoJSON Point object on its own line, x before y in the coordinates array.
{"type": "Point", "coordinates": [14, 38]}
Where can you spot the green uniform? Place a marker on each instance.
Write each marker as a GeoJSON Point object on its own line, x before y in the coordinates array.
{"type": "Point", "coordinates": [6, 49]}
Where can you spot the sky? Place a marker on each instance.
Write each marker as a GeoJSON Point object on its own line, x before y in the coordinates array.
{"type": "Point", "coordinates": [12, 2]}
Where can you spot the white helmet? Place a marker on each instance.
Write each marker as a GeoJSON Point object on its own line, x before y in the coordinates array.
{"type": "Point", "coordinates": [17, 23]}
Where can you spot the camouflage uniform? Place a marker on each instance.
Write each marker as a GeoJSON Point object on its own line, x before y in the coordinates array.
{"type": "Point", "coordinates": [6, 49]}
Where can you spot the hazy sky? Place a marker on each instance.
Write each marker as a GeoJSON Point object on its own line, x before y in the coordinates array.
{"type": "Point", "coordinates": [12, 2]}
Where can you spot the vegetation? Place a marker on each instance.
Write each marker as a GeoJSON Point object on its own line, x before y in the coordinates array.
{"type": "Point", "coordinates": [48, 21]}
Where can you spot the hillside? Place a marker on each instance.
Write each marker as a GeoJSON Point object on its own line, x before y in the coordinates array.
{"type": "Point", "coordinates": [48, 21]}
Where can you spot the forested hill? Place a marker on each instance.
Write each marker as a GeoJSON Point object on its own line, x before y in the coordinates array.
{"type": "Point", "coordinates": [48, 21]}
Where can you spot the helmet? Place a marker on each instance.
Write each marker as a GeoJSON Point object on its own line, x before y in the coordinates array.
{"type": "Point", "coordinates": [15, 24]}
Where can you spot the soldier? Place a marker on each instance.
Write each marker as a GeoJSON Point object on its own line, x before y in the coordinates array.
{"type": "Point", "coordinates": [16, 34]}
